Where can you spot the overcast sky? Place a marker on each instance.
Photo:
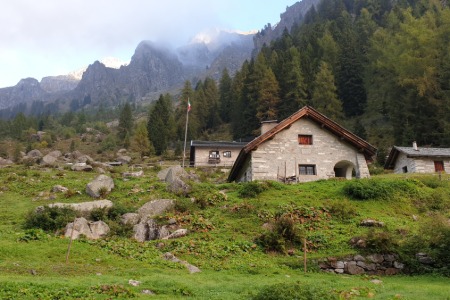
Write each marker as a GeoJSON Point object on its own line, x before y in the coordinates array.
{"type": "Point", "coordinates": [54, 37]}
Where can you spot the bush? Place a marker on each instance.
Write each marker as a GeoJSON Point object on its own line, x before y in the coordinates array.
{"type": "Point", "coordinates": [49, 218]}
{"type": "Point", "coordinates": [342, 210]}
{"type": "Point", "coordinates": [284, 233]}
{"type": "Point", "coordinates": [366, 189]}
{"type": "Point", "coordinates": [297, 291]}
{"type": "Point", "coordinates": [438, 200]}
{"type": "Point", "coordinates": [381, 241]}
{"type": "Point", "coordinates": [251, 189]}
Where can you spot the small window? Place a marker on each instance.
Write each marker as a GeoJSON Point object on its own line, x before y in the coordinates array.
{"type": "Point", "coordinates": [305, 139]}
{"type": "Point", "coordinates": [214, 154]}
{"type": "Point", "coordinates": [439, 166]}
{"type": "Point", "coordinates": [226, 153]}
{"type": "Point", "coordinates": [405, 169]}
{"type": "Point", "coordinates": [307, 169]}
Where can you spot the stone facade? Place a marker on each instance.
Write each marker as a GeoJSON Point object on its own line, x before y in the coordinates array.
{"type": "Point", "coordinates": [214, 154]}
{"type": "Point", "coordinates": [281, 157]}
{"type": "Point", "coordinates": [405, 164]}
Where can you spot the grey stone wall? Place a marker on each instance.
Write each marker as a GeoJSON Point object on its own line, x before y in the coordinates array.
{"type": "Point", "coordinates": [418, 165]}
{"type": "Point", "coordinates": [281, 156]}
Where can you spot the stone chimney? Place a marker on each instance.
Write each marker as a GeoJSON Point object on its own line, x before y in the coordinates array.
{"type": "Point", "coordinates": [267, 125]}
{"type": "Point", "coordinates": [415, 146]}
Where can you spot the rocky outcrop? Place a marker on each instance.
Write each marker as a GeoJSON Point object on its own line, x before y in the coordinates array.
{"type": "Point", "coordinates": [293, 15]}
{"type": "Point", "coordinates": [51, 158]}
{"type": "Point", "coordinates": [81, 226]}
{"type": "Point", "coordinates": [100, 186]}
{"type": "Point", "coordinates": [60, 83]}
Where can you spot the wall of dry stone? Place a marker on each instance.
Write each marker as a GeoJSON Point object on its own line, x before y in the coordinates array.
{"type": "Point", "coordinates": [373, 264]}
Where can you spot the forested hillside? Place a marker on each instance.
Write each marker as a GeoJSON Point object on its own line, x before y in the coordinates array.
{"type": "Point", "coordinates": [380, 68]}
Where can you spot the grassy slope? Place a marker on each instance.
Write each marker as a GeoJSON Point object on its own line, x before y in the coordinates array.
{"type": "Point", "coordinates": [221, 243]}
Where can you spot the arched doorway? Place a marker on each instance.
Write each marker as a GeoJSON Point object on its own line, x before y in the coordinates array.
{"type": "Point", "coordinates": [344, 169]}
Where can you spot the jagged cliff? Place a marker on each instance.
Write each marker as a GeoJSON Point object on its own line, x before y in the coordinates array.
{"type": "Point", "coordinates": [293, 15]}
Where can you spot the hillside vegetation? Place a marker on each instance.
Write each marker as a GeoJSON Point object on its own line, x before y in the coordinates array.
{"type": "Point", "coordinates": [239, 257]}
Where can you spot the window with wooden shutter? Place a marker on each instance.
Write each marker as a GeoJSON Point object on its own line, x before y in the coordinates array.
{"type": "Point", "coordinates": [305, 139]}
{"type": "Point", "coordinates": [439, 166]}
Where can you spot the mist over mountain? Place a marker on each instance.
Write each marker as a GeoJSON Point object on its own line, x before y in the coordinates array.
{"type": "Point", "coordinates": [152, 70]}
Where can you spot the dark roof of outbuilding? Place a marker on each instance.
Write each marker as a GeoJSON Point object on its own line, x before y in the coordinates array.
{"type": "Point", "coordinates": [411, 152]}
{"type": "Point", "coordinates": [217, 144]}
{"type": "Point", "coordinates": [313, 115]}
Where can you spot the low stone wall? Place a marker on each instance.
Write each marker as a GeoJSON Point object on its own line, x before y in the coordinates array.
{"type": "Point", "coordinates": [374, 264]}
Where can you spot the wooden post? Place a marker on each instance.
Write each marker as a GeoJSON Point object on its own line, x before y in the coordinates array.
{"type": "Point", "coordinates": [70, 241]}
{"type": "Point", "coordinates": [285, 172]}
{"type": "Point", "coordinates": [304, 254]}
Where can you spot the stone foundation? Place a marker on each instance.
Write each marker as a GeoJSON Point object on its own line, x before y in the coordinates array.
{"type": "Point", "coordinates": [374, 264]}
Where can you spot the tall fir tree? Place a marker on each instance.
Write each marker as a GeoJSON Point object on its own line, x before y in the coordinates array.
{"type": "Point", "coordinates": [125, 122]}
{"type": "Point", "coordinates": [225, 96]}
{"type": "Point", "coordinates": [160, 124]}
{"type": "Point", "coordinates": [324, 97]}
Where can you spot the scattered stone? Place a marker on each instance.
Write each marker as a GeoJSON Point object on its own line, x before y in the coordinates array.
{"type": "Point", "coordinates": [376, 281]}
{"type": "Point", "coordinates": [33, 272]}
{"type": "Point", "coordinates": [92, 230]}
{"type": "Point", "coordinates": [172, 221]}
{"type": "Point", "coordinates": [398, 265]}
{"type": "Point", "coordinates": [5, 162]}
{"type": "Point", "coordinates": [415, 218]}
{"type": "Point", "coordinates": [170, 257]}
{"type": "Point", "coordinates": [101, 184]}
{"type": "Point", "coordinates": [34, 154]}
{"type": "Point", "coordinates": [124, 159]}
{"type": "Point", "coordinates": [176, 234]}
{"type": "Point", "coordinates": [147, 292]}
{"type": "Point", "coordinates": [130, 218]}
{"type": "Point", "coordinates": [371, 223]}
{"type": "Point", "coordinates": [156, 207]}
{"type": "Point", "coordinates": [84, 207]}
{"type": "Point", "coordinates": [175, 181]}
{"type": "Point", "coordinates": [82, 166]}
{"type": "Point", "coordinates": [59, 189]}
{"type": "Point", "coordinates": [133, 174]}
{"type": "Point", "coordinates": [134, 282]}
{"type": "Point", "coordinates": [121, 152]}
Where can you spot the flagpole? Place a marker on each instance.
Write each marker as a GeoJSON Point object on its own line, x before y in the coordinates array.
{"type": "Point", "coordinates": [185, 132]}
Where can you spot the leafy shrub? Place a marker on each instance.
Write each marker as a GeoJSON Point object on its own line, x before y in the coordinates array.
{"type": "Point", "coordinates": [206, 195]}
{"type": "Point", "coordinates": [49, 218]}
{"type": "Point", "coordinates": [284, 233]}
{"type": "Point", "coordinates": [433, 182]}
{"type": "Point", "coordinates": [185, 205]}
{"type": "Point", "coordinates": [297, 291]}
{"type": "Point", "coordinates": [381, 241]}
{"type": "Point", "coordinates": [366, 189]}
{"type": "Point", "coordinates": [342, 210]}
{"type": "Point", "coordinates": [33, 235]}
{"type": "Point", "coordinates": [438, 199]}
{"type": "Point", "coordinates": [251, 189]}
{"type": "Point", "coordinates": [99, 214]}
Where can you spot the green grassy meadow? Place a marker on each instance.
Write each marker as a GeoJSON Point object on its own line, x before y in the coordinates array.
{"type": "Point", "coordinates": [224, 238]}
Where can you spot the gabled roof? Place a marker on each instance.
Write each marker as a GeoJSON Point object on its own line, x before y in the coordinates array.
{"type": "Point", "coordinates": [314, 115]}
{"type": "Point", "coordinates": [411, 152]}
